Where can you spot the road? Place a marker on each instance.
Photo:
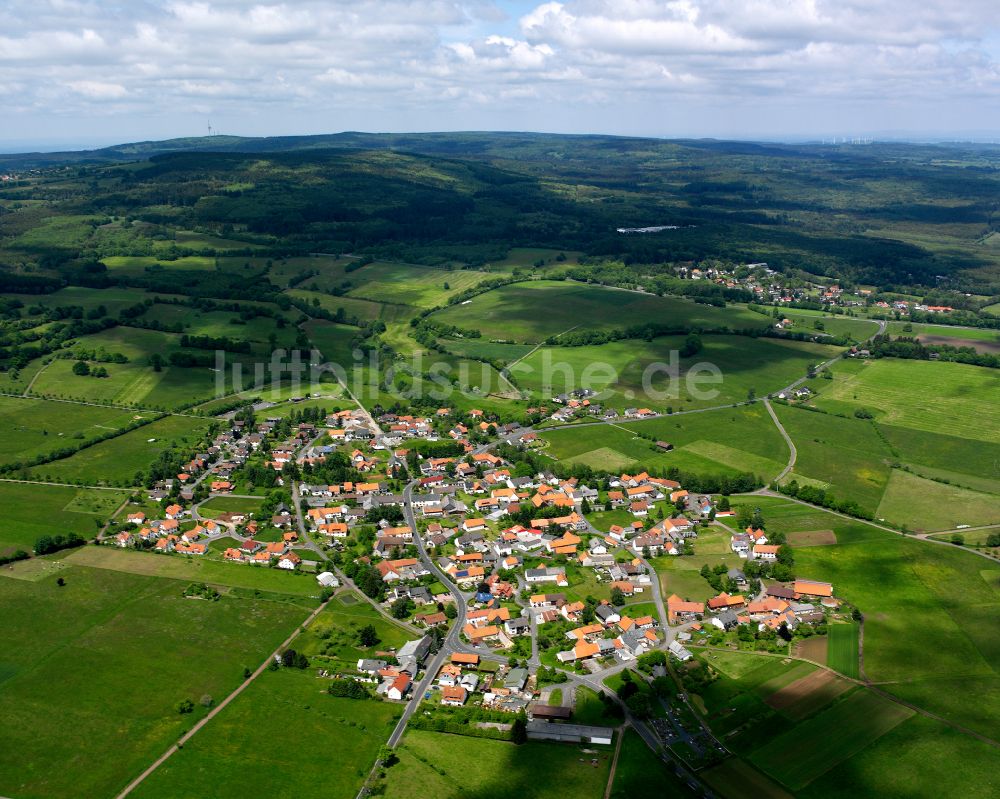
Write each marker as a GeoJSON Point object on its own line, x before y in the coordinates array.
{"type": "Point", "coordinates": [792, 452]}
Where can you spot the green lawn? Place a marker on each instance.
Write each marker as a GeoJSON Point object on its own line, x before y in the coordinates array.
{"type": "Point", "coordinates": [31, 511]}
{"type": "Point", "coordinates": [218, 505]}
{"type": "Point", "coordinates": [241, 752]}
{"type": "Point", "coordinates": [590, 710]}
{"type": "Point", "coordinates": [440, 766]}
{"type": "Point", "coordinates": [107, 657]}
{"type": "Point", "coordinates": [117, 460]}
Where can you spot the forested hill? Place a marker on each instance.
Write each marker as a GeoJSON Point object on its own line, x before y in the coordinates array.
{"type": "Point", "coordinates": [885, 214]}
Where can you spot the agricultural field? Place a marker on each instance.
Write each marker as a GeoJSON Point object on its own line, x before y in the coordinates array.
{"type": "Point", "coordinates": [962, 403]}
{"type": "Point", "coordinates": [436, 764]}
{"type": "Point", "coordinates": [928, 505]}
{"type": "Point", "coordinates": [842, 654]}
{"type": "Point", "coordinates": [108, 656]}
{"type": "Point", "coordinates": [529, 313]}
{"type": "Point", "coordinates": [983, 339]}
{"type": "Point", "coordinates": [192, 569]}
{"type": "Point", "coordinates": [242, 751]}
{"type": "Point", "coordinates": [31, 511]}
{"type": "Point", "coordinates": [333, 340]}
{"type": "Point", "coordinates": [118, 460]}
{"type": "Point", "coordinates": [409, 284]}
{"type": "Point", "coordinates": [354, 307]}
{"type": "Point", "coordinates": [716, 442]}
{"type": "Point", "coordinates": [652, 374]}
{"type": "Point", "coordinates": [929, 609]}
{"type": "Point", "coordinates": [36, 427]}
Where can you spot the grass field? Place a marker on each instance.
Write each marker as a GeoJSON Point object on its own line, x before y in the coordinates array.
{"type": "Point", "coordinates": [333, 340]}
{"type": "Point", "coordinates": [117, 460]}
{"type": "Point", "coordinates": [962, 403]}
{"type": "Point", "coordinates": [737, 779]}
{"type": "Point", "coordinates": [365, 310]}
{"type": "Point", "coordinates": [634, 373]}
{"type": "Point", "coordinates": [107, 657]}
{"type": "Point", "coordinates": [640, 774]}
{"type": "Point", "coordinates": [217, 505]}
{"type": "Point", "coordinates": [815, 746]}
{"type": "Point", "coordinates": [842, 653]}
{"type": "Point", "coordinates": [196, 322]}
{"type": "Point", "coordinates": [34, 427]}
{"type": "Point", "coordinates": [244, 751]}
{"type": "Point", "coordinates": [719, 442]}
{"type": "Point", "coordinates": [31, 511]}
{"type": "Point", "coordinates": [927, 505]}
{"type": "Point", "coordinates": [192, 569]}
{"type": "Point", "coordinates": [531, 312]}
{"type": "Point", "coordinates": [437, 765]}
{"type": "Point", "coordinates": [410, 284]}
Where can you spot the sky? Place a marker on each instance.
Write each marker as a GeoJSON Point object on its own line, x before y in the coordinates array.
{"type": "Point", "coordinates": [77, 73]}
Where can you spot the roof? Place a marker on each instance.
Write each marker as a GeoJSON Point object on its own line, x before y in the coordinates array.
{"type": "Point", "coordinates": [813, 588]}
{"type": "Point", "coordinates": [463, 658]}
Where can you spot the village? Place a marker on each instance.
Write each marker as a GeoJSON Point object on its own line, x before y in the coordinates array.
{"type": "Point", "coordinates": [515, 591]}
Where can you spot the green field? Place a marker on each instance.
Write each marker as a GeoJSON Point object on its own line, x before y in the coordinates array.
{"type": "Point", "coordinates": [31, 511]}
{"type": "Point", "coordinates": [333, 340]}
{"type": "Point", "coordinates": [962, 403]}
{"type": "Point", "coordinates": [217, 505]}
{"type": "Point", "coordinates": [196, 569]}
{"type": "Point", "coordinates": [137, 264]}
{"type": "Point", "coordinates": [927, 505]}
{"type": "Point", "coordinates": [531, 312]}
{"type": "Point", "coordinates": [437, 765]}
{"type": "Point", "coordinates": [223, 324]}
{"type": "Point", "coordinates": [239, 753]}
{"type": "Point", "coordinates": [365, 310]}
{"type": "Point", "coordinates": [640, 373]}
{"type": "Point", "coordinates": [107, 657]}
{"type": "Point", "coordinates": [640, 774]}
{"type": "Point", "coordinates": [117, 460]}
{"type": "Point", "coordinates": [842, 651]}
{"type": "Point", "coordinates": [34, 427]}
{"type": "Point", "coordinates": [797, 757]}
{"type": "Point", "coordinates": [409, 284]}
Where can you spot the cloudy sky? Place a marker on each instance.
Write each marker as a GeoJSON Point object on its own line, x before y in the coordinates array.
{"type": "Point", "coordinates": [102, 71]}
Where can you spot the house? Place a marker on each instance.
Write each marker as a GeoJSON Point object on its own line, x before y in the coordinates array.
{"type": "Point", "coordinates": [399, 687]}
{"type": "Point", "coordinates": [812, 588]}
{"type": "Point", "coordinates": [454, 696]}
{"type": "Point", "coordinates": [724, 601]}
{"type": "Point", "coordinates": [679, 609]}
{"type": "Point", "coordinates": [289, 561]}
{"type": "Point", "coordinates": [465, 660]}
{"type": "Point", "coordinates": [726, 620]}
{"type": "Point", "coordinates": [768, 552]}
{"type": "Point", "coordinates": [607, 614]}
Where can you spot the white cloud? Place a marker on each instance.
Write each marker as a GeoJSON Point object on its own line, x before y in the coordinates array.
{"type": "Point", "coordinates": [404, 64]}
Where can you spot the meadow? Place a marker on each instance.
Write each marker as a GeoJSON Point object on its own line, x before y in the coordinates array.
{"type": "Point", "coordinates": [634, 373]}
{"type": "Point", "coordinates": [715, 442]}
{"type": "Point", "coordinates": [223, 324]}
{"type": "Point", "coordinates": [961, 404]}
{"type": "Point", "coordinates": [36, 427]}
{"type": "Point", "coordinates": [31, 511]}
{"type": "Point", "coordinates": [119, 459]}
{"type": "Point", "coordinates": [365, 310]}
{"type": "Point", "coordinates": [409, 284]}
{"type": "Point", "coordinates": [640, 774]}
{"type": "Point", "coordinates": [531, 312]}
{"type": "Point", "coordinates": [333, 340]}
{"type": "Point", "coordinates": [246, 751]}
{"type": "Point", "coordinates": [927, 505]}
{"type": "Point", "coordinates": [107, 657]}
{"type": "Point", "coordinates": [930, 609]}
{"type": "Point", "coordinates": [436, 764]}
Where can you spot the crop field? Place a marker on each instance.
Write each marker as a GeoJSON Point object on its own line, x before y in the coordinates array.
{"type": "Point", "coordinates": [915, 759]}
{"type": "Point", "coordinates": [842, 653]}
{"type": "Point", "coordinates": [117, 460]}
{"type": "Point", "coordinates": [241, 752]}
{"type": "Point", "coordinates": [970, 335]}
{"type": "Point", "coordinates": [846, 454]}
{"type": "Point", "coordinates": [31, 511]}
{"type": "Point", "coordinates": [736, 779]}
{"type": "Point", "coordinates": [962, 403]}
{"type": "Point", "coordinates": [333, 340]}
{"type": "Point", "coordinates": [975, 464]}
{"type": "Point", "coordinates": [436, 764]}
{"type": "Point", "coordinates": [409, 284]}
{"type": "Point", "coordinates": [715, 442]}
{"type": "Point", "coordinates": [531, 312]}
{"type": "Point", "coordinates": [806, 695]}
{"type": "Point", "coordinates": [927, 505]}
{"type": "Point", "coordinates": [365, 310]}
{"type": "Point", "coordinates": [641, 373]}
{"type": "Point", "coordinates": [34, 427]}
{"type": "Point", "coordinates": [813, 747]}
{"type": "Point", "coordinates": [108, 656]}
{"type": "Point", "coordinates": [193, 569]}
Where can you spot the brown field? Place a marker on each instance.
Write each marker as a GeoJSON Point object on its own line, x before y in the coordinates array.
{"type": "Point", "coordinates": [990, 347]}
{"type": "Point", "coordinates": [737, 779]}
{"type": "Point", "coordinates": [812, 648]}
{"type": "Point", "coordinates": [812, 538]}
{"type": "Point", "coordinates": [807, 694]}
